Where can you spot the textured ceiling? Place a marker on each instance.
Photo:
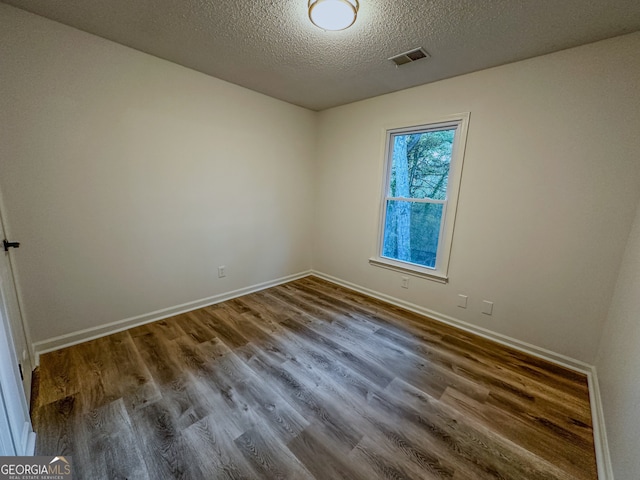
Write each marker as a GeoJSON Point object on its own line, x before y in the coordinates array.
{"type": "Point", "coordinates": [270, 46]}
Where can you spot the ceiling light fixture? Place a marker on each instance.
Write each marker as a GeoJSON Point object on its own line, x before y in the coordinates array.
{"type": "Point", "coordinates": [333, 14]}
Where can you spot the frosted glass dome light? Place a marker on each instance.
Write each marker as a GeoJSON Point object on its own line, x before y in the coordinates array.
{"type": "Point", "coordinates": [333, 14]}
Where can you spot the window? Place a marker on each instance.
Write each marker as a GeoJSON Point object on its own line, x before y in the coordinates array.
{"type": "Point", "coordinates": [423, 172]}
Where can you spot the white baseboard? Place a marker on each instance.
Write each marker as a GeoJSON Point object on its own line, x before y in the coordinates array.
{"type": "Point", "coordinates": [603, 457]}
{"type": "Point", "coordinates": [26, 444]}
{"type": "Point", "coordinates": [74, 338]}
{"type": "Point", "coordinates": [28, 440]}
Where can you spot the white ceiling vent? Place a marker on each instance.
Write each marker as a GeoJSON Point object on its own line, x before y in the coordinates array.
{"type": "Point", "coordinates": [410, 56]}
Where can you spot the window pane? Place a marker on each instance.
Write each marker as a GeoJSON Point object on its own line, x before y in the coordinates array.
{"type": "Point", "coordinates": [412, 231]}
{"type": "Point", "coordinates": [420, 164]}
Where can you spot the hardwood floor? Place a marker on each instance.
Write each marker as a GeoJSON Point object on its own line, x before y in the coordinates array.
{"type": "Point", "coordinates": [310, 380]}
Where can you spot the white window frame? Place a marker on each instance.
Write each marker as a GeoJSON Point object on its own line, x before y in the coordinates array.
{"type": "Point", "coordinates": [441, 271]}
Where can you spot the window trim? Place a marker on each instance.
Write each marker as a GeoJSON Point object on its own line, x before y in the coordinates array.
{"type": "Point", "coordinates": [441, 271]}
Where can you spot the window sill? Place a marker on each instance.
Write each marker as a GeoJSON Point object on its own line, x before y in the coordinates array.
{"type": "Point", "coordinates": [397, 267]}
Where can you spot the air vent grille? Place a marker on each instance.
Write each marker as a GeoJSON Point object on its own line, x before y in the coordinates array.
{"type": "Point", "coordinates": [410, 56]}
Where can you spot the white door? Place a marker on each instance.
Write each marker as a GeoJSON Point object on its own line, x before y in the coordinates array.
{"type": "Point", "coordinates": [11, 312]}
{"type": "Point", "coordinates": [16, 433]}
{"type": "Point", "coordinates": [7, 447]}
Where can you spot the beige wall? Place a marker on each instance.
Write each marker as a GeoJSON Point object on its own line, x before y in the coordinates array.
{"type": "Point", "coordinates": [548, 192]}
{"type": "Point", "coordinates": [129, 179]}
{"type": "Point", "coordinates": [618, 364]}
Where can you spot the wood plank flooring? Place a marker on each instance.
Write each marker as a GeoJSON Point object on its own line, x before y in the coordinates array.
{"type": "Point", "coordinates": [310, 380]}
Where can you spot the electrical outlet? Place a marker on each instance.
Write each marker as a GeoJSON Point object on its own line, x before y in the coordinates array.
{"type": "Point", "coordinates": [487, 307]}
{"type": "Point", "coordinates": [222, 271]}
{"type": "Point", "coordinates": [405, 282]}
{"type": "Point", "coordinates": [462, 301]}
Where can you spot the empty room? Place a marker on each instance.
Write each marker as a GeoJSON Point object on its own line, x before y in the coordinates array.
{"type": "Point", "coordinates": [320, 239]}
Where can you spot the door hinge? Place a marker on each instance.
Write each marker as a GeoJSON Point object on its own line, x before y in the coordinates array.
{"type": "Point", "coordinates": [21, 374]}
{"type": "Point", "coordinates": [7, 245]}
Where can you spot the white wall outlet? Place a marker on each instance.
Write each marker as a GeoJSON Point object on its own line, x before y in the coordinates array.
{"type": "Point", "coordinates": [462, 301]}
{"type": "Point", "coordinates": [222, 271]}
{"type": "Point", "coordinates": [487, 307]}
{"type": "Point", "coordinates": [405, 282]}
